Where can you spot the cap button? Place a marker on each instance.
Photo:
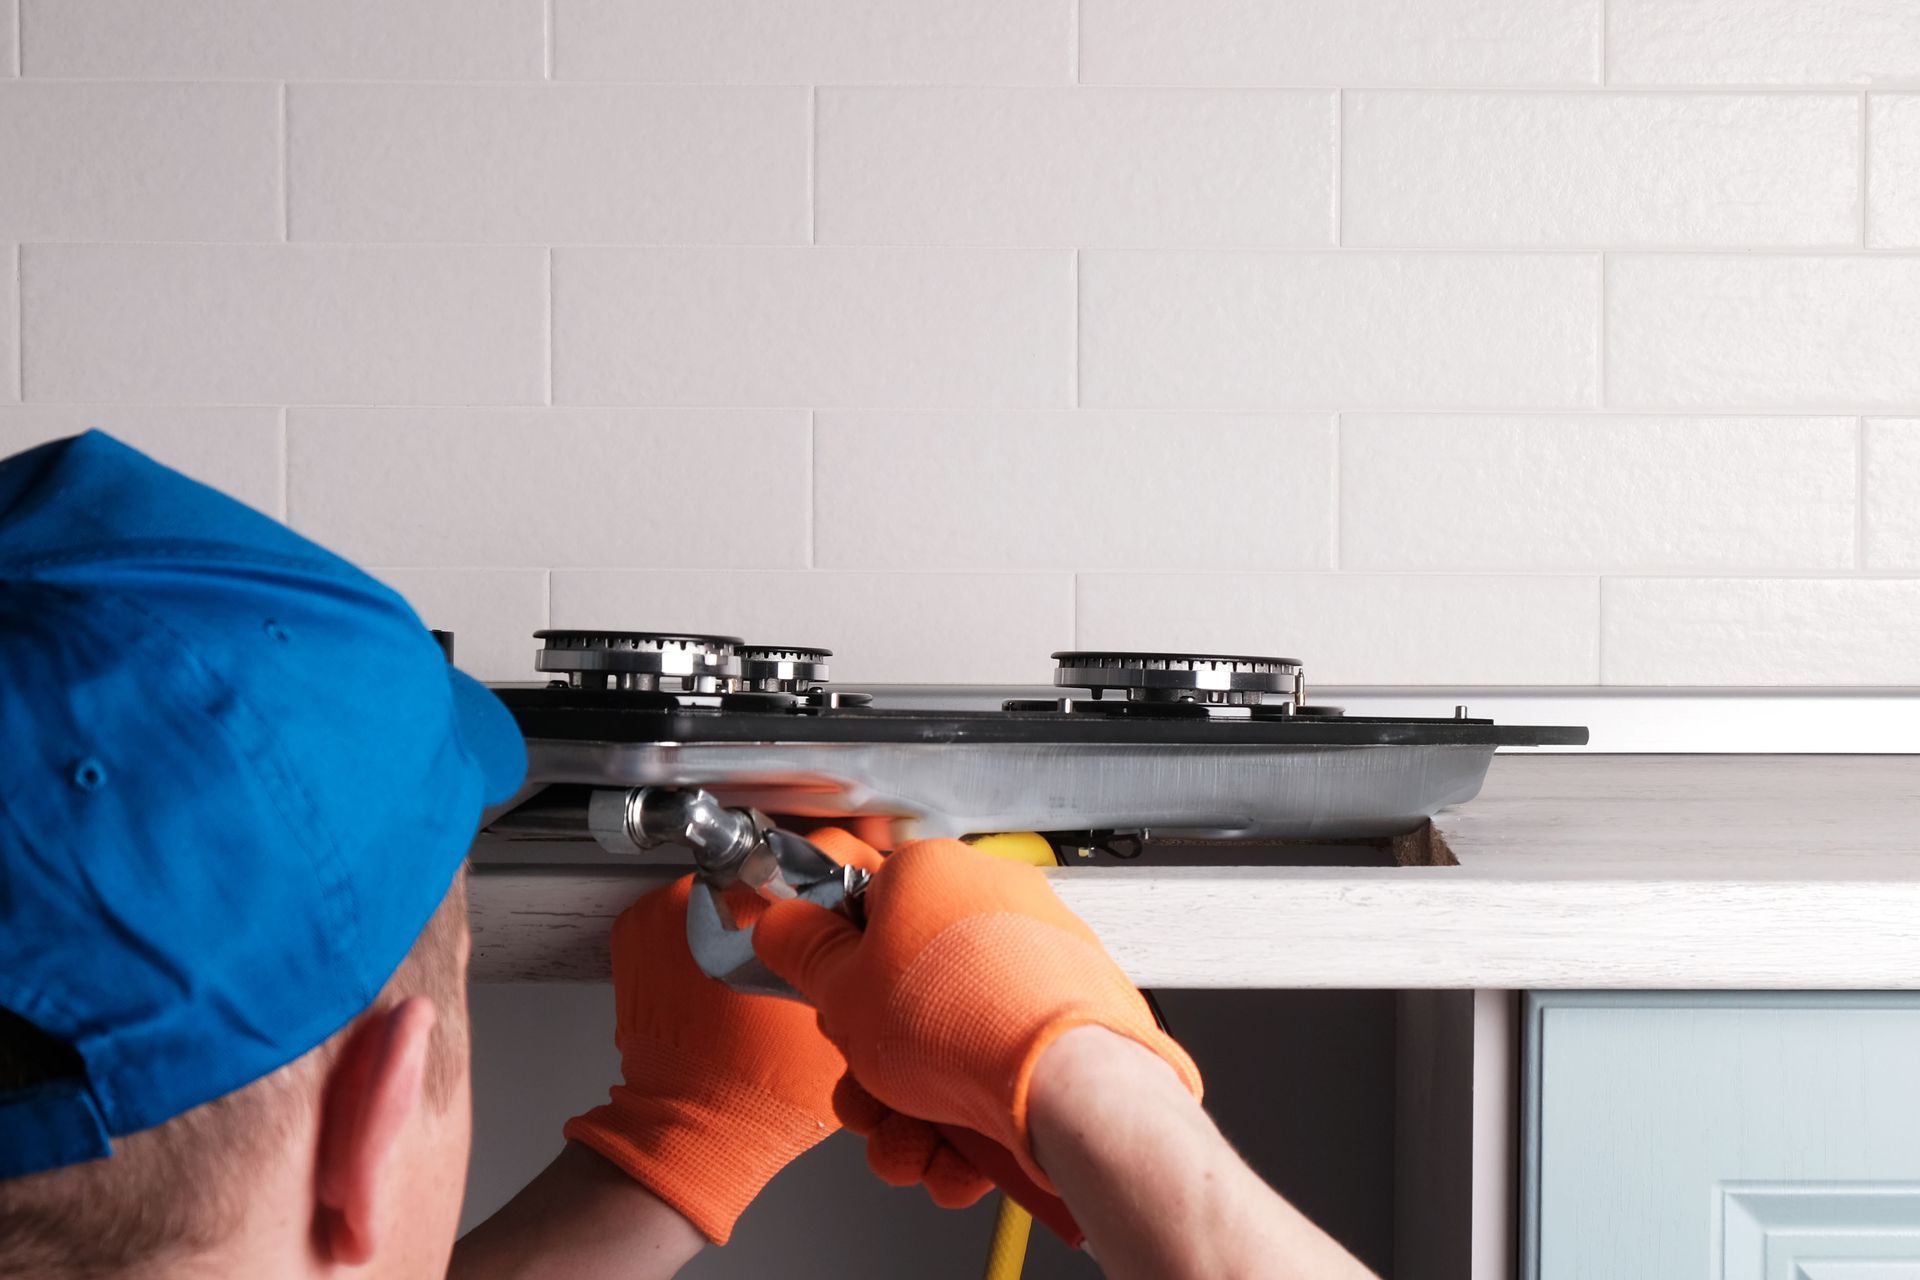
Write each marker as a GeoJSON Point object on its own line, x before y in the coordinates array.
{"type": "Point", "coordinates": [89, 774]}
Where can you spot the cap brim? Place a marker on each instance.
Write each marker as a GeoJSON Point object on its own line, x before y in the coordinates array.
{"type": "Point", "coordinates": [490, 736]}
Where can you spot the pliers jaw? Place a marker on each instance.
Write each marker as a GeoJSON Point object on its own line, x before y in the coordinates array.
{"type": "Point", "coordinates": [730, 847]}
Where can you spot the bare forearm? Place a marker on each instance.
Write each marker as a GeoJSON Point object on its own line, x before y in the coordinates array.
{"type": "Point", "coordinates": [580, 1218]}
{"type": "Point", "coordinates": [1156, 1188]}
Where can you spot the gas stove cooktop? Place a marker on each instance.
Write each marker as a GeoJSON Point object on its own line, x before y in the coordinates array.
{"type": "Point", "coordinates": [1203, 745]}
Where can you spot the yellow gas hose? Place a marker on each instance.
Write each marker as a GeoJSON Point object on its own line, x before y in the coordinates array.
{"type": "Point", "coordinates": [1007, 1255]}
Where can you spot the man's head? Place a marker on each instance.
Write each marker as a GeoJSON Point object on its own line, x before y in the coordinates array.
{"type": "Point", "coordinates": [240, 782]}
{"type": "Point", "coordinates": [232, 1175]}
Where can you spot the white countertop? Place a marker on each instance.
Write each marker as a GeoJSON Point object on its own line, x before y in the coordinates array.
{"type": "Point", "coordinates": [1574, 871]}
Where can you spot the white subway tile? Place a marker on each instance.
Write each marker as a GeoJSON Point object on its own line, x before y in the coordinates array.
{"type": "Point", "coordinates": [492, 613]}
{"type": "Point", "coordinates": [1219, 330]}
{"type": "Point", "coordinates": [1758, 631]}
{"type": "Point", "coordinates": [285, 39]}
{"type": "Point", "coordinates": [1358, 628]}
{"type": "Point", "coordinates": [533, 487]}
{"type": "Point", "coordinates": [882, 627]}
{"type": "Point", "coordinates": [139, 161]}
{"type": "Point", "coordinates": [1072, 491]}
{"type": "Point", "coordinates": [910, 328]}
{"type": "Point", "coordinates": [1762, 41]}
{"type": "Point", "coordinates": [284, 323]}
{"type": "Point", "coordinates": [1549, 169]}
{"type": "Point", "coordinates": [815, 41]}
{"type": "Point", "coordinates": [1893, 170]}
{"type": "Point", "coordinates": [1730, 332]}
{"type": "Point", "coordinates": [548, 163]}
{"type": "Point", "coordinates": [1892, 472]}
{"type": "Point", "coordinates": [1346, 42]}
{"type": "Point", "coordinates": [236, 450]}
{"type": "Point", "coordinates": [1592, 493]}
{"type": "Point", "coordinates": [1075, 166]}
{"type": "Point", "coordinates": [9, 322]}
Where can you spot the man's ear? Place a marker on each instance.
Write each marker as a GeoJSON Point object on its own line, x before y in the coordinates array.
{"type": "Point", "coordinates": [371, 1093]}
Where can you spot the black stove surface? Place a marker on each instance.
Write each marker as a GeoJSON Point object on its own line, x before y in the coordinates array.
{"type": "Point", "coordinates": [568, 713]}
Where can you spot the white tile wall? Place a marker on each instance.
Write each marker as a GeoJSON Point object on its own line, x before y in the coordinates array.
{"type": "Point", "coordinates": [1357, 42]}
{"type": "Point", "coordinates": [815, 41]}
{"type": "Point", "coordinates": [9, 323]}
{"type": "Point", "coordinates": [1071, 491]}
{"type": "Point", "coordinates": [1892, 480]}
{"type": "Point", "coordinates": [1584, 169]}
{"type": "Point", "coordinates": [993, 628]}
{"type": "Point", "coordinates": [1893, 174]}
{"type": "Point", "coordinates": [509, 487]}
{"type": "Point", "coordinates": [236, 449]}
{"type": "Point", "coordinates": [1775, 42]}
{"type": "Point", "coordinates": [1771, 333]}
{"type": "Point", "coordinates": [492, 613]}
{"type": "Point", "coordinates": [296, 324]}
{"type": "Point", "coordinates": [548, 163]}
{"type": "Point", "coordinates": [139, 161]}
{"type": "Point", "coordinates": [1757, 631]}
{"type": "Point", "coordinates": [1076, 166]}
{"type": "Point", "coordinates": [1169, 330]}
{"type": "Point", "coordinates": [1597, 494]}
{"type": "Point", "coordinates": [1359, 628]}
{"type": "Point", "coordinates": [1432, 341]}
{"type": "Point", "coordinates": [825, 327]}
{"type": "Point", "coordinates": [284, 39]}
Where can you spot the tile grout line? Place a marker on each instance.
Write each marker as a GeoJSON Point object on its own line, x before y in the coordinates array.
{"type": "Point", "coordinates": [1073, 609]}
{"type": "Point", "coordinates": [20, 38]}
{"type": "Point", "coordinates": [286, 478]}
{"type": "Point", "coordinates": [547, 295]}
{"type": "Point", "coordinates": [1606, 72]}
{"type": "Point", "coordinates": [549, 588]}
{"type": "Point", "coordinates": [546, 34]}
{"type": "Point", "coordinates": [813, 483]}
{"type": "Point", "coordinates": [813, 163]}
{"type": "Point", "coordinates": [1860, 493]}
{"type": "Point", "coordinates": [1073, 40]}
{"type": "Point", "coordinates": [20, 321]}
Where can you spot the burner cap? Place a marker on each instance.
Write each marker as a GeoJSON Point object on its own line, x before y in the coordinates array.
{"type": "Point", "coordinates": [646, 660]}
{"type": "Point", "coordinates": [1226, 679]}
{"type": "Point", "coordinates": [782, 668]}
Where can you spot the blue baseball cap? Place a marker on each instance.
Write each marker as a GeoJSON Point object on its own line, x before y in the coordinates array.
{"type": "Point", "coordinates": [237, 776]}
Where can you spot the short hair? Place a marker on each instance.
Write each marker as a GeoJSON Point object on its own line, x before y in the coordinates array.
{"type": "Point", "coordinates": [180, 1188]}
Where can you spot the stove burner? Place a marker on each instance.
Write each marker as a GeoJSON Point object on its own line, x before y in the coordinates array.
{"type": "Point", "coordinates": [648, 661]}
{"type": "Point", "coordinates": [768, 668]}
{"type": "Point", "coordinates": [1204, 679]}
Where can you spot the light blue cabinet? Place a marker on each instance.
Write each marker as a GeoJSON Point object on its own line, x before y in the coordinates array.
{"type": "Point", "coordinates": [1744, 1136]}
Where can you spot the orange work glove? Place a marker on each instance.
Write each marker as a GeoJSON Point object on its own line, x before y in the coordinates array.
{"type": "Point", "coordinates": [968, 968]}
{"type": "Point", "coordinates": [722, 1089]}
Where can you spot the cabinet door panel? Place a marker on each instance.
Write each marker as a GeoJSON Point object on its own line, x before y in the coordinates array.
{"type": "Point", "coordinates": [1738, 1136]}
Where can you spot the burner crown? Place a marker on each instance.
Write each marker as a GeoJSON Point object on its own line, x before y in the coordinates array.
{"type": "Point", "coordinates": [654, 661]}
{"type": "Point", "coordinates": [1220, 679]}
{"type": "Point", "coordinates": [780, 668]}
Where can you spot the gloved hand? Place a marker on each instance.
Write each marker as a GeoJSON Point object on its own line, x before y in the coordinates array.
{"type": "Point", "coordinates": [969, 967]}
{"type": "Point", "coordinates": [722, 1090]}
